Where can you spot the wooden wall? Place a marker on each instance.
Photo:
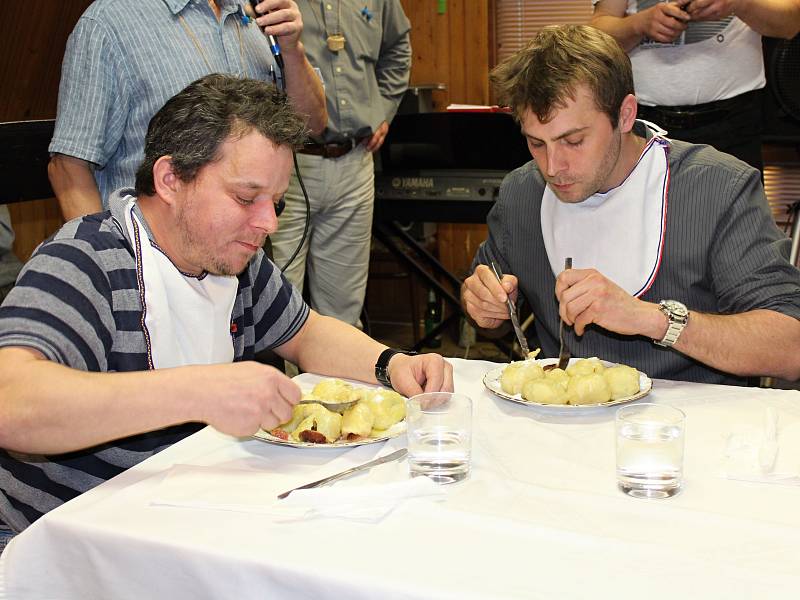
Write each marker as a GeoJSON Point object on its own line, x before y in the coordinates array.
{"type": "Point", "coordinates": [33, 34]}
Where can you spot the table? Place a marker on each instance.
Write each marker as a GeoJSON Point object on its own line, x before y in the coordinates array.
{"type": "Point", "coordinates": [539, 517]}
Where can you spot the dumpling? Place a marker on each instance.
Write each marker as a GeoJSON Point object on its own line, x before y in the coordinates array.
{"type": "Point", "coordinates": [516, 374]}
{"type": "Point", "coordinates": [320, 419]}
{"type": "Point", "coordinates": [334, 390]}
{"type": "Point", "coordinates": [387, 406]}
{"type": "Point", "coordinates": [589, 389]}
{"type": "Point", "coordinates": [622, 381]}
{"type": "Point", "coordinates": [558, 376]}
{"type": "Point", "coordinates": [357, 420]}
{"type": "Point", "coordinates": [585, 366]}
{"type": "Point", "coordinates": [544, 391]}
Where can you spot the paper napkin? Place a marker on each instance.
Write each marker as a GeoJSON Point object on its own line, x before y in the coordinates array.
{"type": "Point", "coordinates": [252, 491]}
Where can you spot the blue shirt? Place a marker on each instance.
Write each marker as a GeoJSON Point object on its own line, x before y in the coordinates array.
{"type": "Point", "coordinates": [125, 59]}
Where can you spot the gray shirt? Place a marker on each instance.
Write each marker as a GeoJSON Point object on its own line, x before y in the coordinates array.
{"type": "Point", "coordinates": [125, 59]}
{"type": "Point", "coordinates": [365, 81]}
{"type": "Point", "coordinates": [723, 254]}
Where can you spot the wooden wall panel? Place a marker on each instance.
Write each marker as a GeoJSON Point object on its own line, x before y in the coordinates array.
{"type": "Point", "coordinates": [33, 34]}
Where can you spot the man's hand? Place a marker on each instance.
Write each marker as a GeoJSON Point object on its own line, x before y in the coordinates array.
{"type": "Point", "coordinates": [663, 22]}
{"type": "Point", "coordinates": [376, 141]}
{"type": "Point", "coordinates": [240, 397]}
{"type": "Point", "coordinates": [411, 375]}
{"type": "Point", "coordinates": [484, 298]}
{"type": "Point", "coordinates": [710, 10]}
{"type": "Point", "coordinates": [282, 19]}
{"type": "Point", "coordinates": [587, 296]}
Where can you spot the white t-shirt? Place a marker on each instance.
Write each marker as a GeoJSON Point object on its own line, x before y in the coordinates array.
{"type": "Point", "coordinates": [712, 60]}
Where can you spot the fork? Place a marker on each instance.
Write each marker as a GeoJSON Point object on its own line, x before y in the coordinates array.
{"type": "Point", "coordinates": [563, 352]}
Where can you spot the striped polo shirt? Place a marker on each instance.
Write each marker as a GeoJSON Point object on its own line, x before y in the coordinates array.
{"type": "Point", "coordinates": [77, 302]}
{"type": "Point", "coordinates": [126, 58]}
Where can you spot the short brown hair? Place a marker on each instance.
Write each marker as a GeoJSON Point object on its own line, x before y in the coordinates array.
{"type": "Point", "coordinates": [193, 124]}
{"type": "Point", "coordinates": [545, 73]}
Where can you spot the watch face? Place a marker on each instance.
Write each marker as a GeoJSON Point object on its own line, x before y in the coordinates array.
{"type": "Point", "coordinates": [676, 308]}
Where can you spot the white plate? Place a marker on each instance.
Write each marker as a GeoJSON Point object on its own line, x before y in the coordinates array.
{"type": "Point", "coordinates": [392, 432]}
{"type": "Point", "coordinates": [492, 382]}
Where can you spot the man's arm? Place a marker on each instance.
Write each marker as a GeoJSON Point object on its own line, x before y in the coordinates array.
{"type": "Point", "coordinates": [327, 346]}
{"type": "Point", "coordinates": [756, 342]}
{"type": "Point", "coordinates": [47, 408]}
{"type": "Point", "coordinates": [771, 18]}
{"type": "Point", "coordinates": [662, 22]}
{"type": "Point", "coordinates": [282, 19]}
{"type": "Point", "coordinates": [74, 186]}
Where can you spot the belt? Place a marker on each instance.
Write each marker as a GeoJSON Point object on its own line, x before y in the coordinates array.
{"type": "Point", "coordinates": [332, 149]}
{"type": "Point", "coordinates": [696, 115]}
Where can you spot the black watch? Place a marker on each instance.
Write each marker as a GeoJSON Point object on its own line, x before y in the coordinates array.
{"type": "Point", "coordinates": [382, 365]}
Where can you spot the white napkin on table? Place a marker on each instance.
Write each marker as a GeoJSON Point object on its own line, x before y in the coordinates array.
{"type": "Point", "coordinates": [254, 491]}
{"type": "Point", "coordinates": [759, 454]}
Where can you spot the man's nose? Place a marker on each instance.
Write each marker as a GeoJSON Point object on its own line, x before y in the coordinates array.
{"type": "Point", "coordinates": [554, 161]}
{"type": "Point", "coordinates": [266, 217]}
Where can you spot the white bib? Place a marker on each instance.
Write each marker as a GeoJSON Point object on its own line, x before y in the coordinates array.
{"type": "Point", "coordinates": [620, 232]}
{"type": "Point", "coordinates": [187, 320]}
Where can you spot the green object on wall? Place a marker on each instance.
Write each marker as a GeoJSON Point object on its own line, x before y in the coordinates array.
{"type": "Point", "coordinates": [442, 8]}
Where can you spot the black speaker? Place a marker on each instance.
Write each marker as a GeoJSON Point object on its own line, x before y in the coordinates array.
{"type": "Point", "coordinates": [781, 97]}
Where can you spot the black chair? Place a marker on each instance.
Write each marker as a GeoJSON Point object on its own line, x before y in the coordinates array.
{"type": "Point", "coordinates": [23, 160]}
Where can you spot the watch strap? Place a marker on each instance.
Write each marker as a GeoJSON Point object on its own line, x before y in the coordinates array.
{"type": "Point", "coordinates": [382, 366]}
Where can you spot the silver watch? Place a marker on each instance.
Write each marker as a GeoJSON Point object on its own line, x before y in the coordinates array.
{"type": "Point", "coordinates": [678, 316]}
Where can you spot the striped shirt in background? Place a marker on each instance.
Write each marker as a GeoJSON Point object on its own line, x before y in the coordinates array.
{"type": "Point", "coordinates": [723, 254]}
{"type": "Point", "coordinates": [125, 59]}
{"type": "Point", "coordinates": [77, 302]}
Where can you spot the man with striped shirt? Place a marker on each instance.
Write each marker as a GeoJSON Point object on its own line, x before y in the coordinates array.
{"type": "Point", "coordinates": [132, 328]}
{"type": "Point", "coordinates": [670, 242]}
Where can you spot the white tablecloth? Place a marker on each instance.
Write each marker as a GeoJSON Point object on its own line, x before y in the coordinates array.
{"type": "Point", "coordinates": [539, 517]}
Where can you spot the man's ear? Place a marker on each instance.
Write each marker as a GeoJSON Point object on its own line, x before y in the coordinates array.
{"type": "Point", "coordinates": [166, 182]}
{"type": "Point", "coordinates": [627, 113]}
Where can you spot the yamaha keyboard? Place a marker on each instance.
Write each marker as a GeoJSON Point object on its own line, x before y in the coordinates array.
{"type": "Point", "coordinates": [446, 167]}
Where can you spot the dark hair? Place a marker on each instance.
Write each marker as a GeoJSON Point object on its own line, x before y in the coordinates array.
{"type": "Point", "coordinates": [546, 72]}
{"type": "Point", "coordinates": [193, 124]}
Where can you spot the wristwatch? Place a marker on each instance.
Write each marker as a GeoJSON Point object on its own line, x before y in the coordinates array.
{"type": "Point", "coordinates": [382, 366]}
{"type": "Point", "coordinates": [678, 316]}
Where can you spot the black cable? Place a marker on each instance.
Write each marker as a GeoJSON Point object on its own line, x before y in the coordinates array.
{"type": "Point", "coordinates": [308, 214]}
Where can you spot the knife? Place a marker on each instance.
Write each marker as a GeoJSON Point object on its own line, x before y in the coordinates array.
{"type": "Point", "coordinates": [367, 465]}
{"type": "Point", "coordinates": [512, 311]}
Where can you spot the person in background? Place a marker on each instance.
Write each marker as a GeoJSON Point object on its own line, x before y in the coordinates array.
{"type": "Point", "coordinates": [698, 65]}
{"type": "Point", "coordinates": [678, 267]}
{"type": "Point", "coordinates": [9, 263]}
{"type": "Point", "coordinates": [132, 328]}
{"type": "Point", "coordinates": [125, 59]}
{"type": "Point", "coordinates": [363, 53]}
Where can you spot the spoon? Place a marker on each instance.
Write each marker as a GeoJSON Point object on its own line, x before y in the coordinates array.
{"type": "Point", "coordinates": [332, 405]}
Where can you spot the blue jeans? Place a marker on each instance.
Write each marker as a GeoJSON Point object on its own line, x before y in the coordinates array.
{"type": "Point", "coordinates": [5, 536]}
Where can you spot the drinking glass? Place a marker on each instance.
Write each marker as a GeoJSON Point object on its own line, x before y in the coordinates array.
{"type": "Point", "coordinates": [439, 428]}
{"type": "Point", "coordinates": [650, 450]}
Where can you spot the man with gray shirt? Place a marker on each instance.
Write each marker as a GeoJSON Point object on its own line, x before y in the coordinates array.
{"type": "Point", "coordinates": [679, 269]}
{"type": "Point", "coordinates": [132, 328]}
{"type": "Point", "coordinates": [363, 53]}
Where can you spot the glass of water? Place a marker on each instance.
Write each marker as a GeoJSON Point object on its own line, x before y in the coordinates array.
{"type": "Point", "coordinates": [439, 436]}
{"type": "Point", "coordinates": [650, 450]}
